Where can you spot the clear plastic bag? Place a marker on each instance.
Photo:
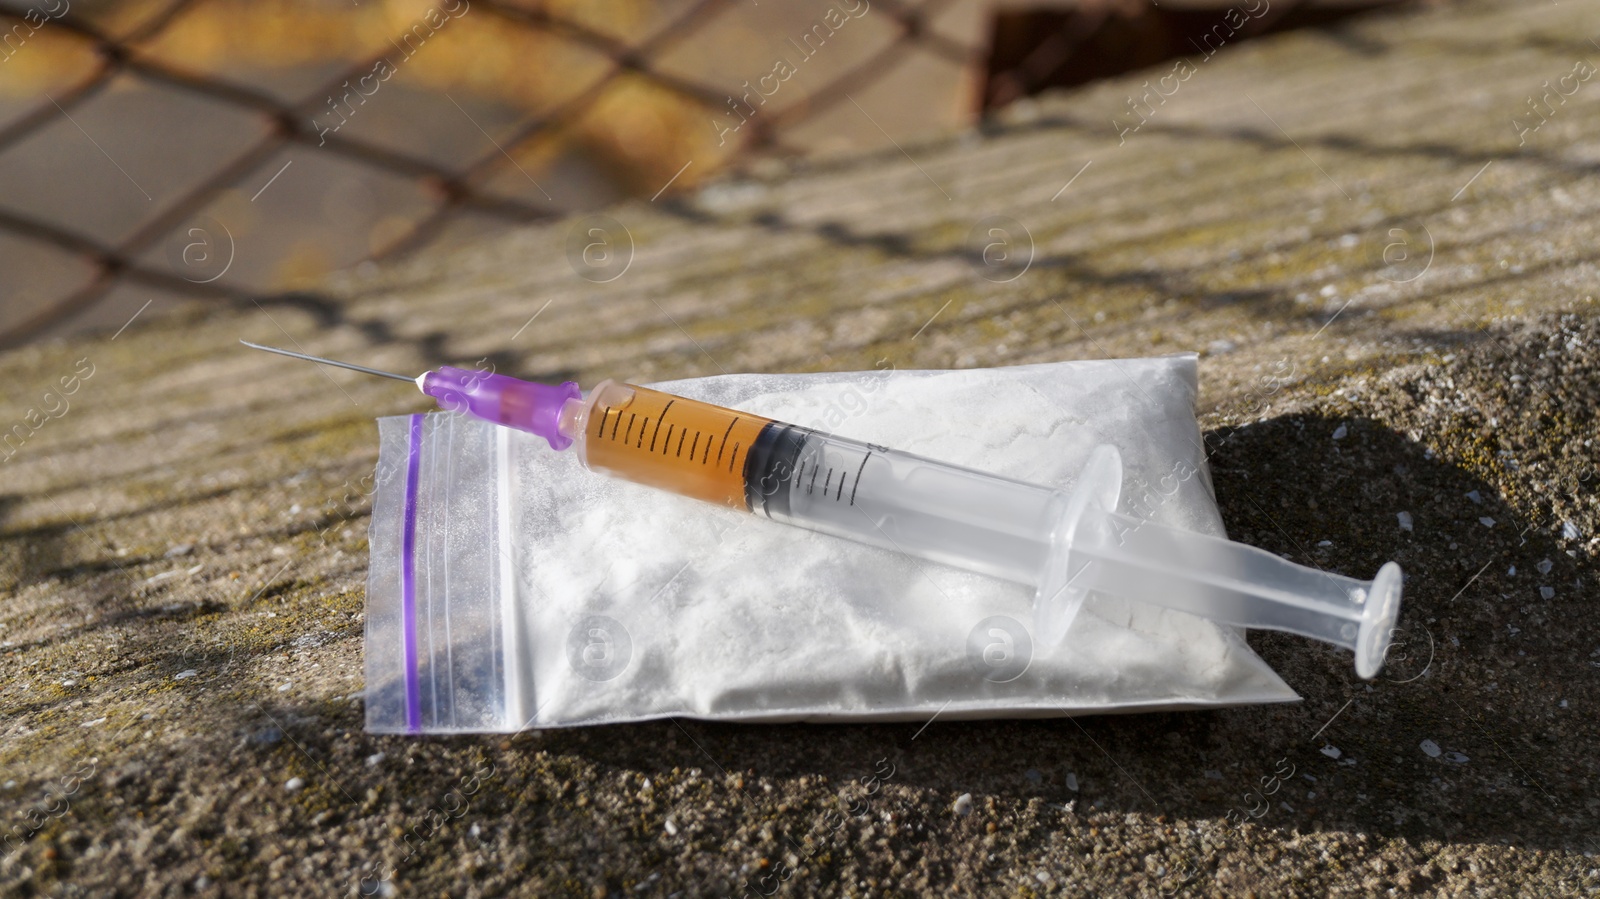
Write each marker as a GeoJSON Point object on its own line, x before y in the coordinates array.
{"type": "Point", "coordinates": [511, 588]}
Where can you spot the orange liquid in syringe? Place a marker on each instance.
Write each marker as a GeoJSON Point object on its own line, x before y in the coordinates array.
{"type": "Point", "coordinates": [688, 447]}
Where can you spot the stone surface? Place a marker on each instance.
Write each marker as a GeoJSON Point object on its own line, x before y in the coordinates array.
{"type": "Point", "coordinates": [182, 537]}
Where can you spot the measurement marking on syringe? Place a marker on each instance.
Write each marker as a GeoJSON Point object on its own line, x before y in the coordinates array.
{"type": "Point", "coordinates": [658, 425]}
{"type": "Point", "coordinates": [724, 439]}
{"type": "Point", "coordinates": [629, 432]}
{"type": "Point", "coordinates": [694, 445]}
{"type": "Point", "coordinates": [680, 442]}
{"type": "Point", "coordinates": [812, 487]}
{"type": "Point", "coordinates": [733, 457]}
{"type": "Point", "coordinates": [707, 455]}
{"type": "Point", "coordinates": [827, 482]}
{"type": "Point", "coordinates": [668, 441]}
{"type": "Point", "coordinates": [801, 474]}
{"type": "Point", "coordinates": [615, 424]}
{"type": "Point", "coordinates": [600, 431]}
{"type": "Point", "coordinates": [840, 492]}
{"type": "Point", "coordinates": [858, 478]}
{"type": "Point", "coordinates": [642, 428]}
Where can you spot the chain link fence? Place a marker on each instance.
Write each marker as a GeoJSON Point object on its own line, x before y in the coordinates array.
{"type": "Point", "coordinates": [666, 83]}
{"type": "Point", "coordinates": [312, 122]}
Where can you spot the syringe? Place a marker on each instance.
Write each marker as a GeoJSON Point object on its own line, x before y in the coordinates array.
{"type": "Point", "coordinates": [1065, 544]}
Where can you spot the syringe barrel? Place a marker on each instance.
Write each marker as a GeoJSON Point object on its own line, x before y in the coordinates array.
{"type": "Point", "coordinates": [872, 494]}
{"type": "Point", "coordinates": [903, 502]}
{"type": "Point", "coordinates": [669, 442]}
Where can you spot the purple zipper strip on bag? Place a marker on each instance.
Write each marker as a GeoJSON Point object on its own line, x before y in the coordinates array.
{"type": "Point", "coordinates": [408, 579]}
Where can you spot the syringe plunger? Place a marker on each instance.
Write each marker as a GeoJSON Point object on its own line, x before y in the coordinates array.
{"type": "Point", "coordinates": [1097, 549]}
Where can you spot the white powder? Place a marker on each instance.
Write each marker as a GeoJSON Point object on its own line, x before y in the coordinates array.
{"type": "Point", "coordinates": [634, 603]}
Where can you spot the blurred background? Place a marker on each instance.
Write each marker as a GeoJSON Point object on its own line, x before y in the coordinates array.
{"type": "Point", "coordinates": [159, 152]}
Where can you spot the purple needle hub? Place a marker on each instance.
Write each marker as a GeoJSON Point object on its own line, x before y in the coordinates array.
{"type": "Point", "coordinates": [524, 405]}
